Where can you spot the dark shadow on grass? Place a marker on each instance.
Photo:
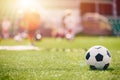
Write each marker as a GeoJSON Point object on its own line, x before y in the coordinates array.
{"type": "Point", "coordinates": [109, 69]}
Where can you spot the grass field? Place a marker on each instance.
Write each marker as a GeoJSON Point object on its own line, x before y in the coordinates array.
{"type": "Point", "coordinates": [58, 59]}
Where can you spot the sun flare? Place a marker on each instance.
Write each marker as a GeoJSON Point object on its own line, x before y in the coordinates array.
{"type": "Point", "coordinates": [28, 4]}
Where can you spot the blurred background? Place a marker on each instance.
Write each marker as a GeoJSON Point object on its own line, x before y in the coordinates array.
{"type": "Point", "coordinates": [60, 17]}
{"type": "Point", "coordinates": [48, 39]}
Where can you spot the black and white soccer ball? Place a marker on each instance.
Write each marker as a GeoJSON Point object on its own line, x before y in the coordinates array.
{"type": "Point", "coordinates": [38, 37]}
{"type": "Point", "coordinates": [98, 57]}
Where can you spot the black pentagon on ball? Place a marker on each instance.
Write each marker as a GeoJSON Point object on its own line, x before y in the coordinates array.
{"type": "Point", "coordinates": [106, 66]}
{"type": "Point", "coordinates": [88, 56]}
{"type": "Point", "coordinates": [92, 67]}
{"type": "Point", "coordinates": [99, 57]}
{"type": "Point", "coordinates": [108, 54]}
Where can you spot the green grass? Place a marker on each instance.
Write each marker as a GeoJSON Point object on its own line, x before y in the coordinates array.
{"type": "Point", "coordinates": [66, 62]}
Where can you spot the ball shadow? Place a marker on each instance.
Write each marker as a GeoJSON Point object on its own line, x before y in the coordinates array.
{"type": "Point", "coordinates": [94, 69]}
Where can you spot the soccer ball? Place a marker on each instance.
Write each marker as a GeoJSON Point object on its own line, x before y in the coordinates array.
{"type": "Point", "coordinates": [38, 37]}
{"type": "Point", "coordinates": [98, 57]}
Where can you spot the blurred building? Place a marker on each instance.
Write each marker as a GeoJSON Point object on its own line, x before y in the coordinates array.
{"type": "Point", "coordinates": [104, 7]}
{"type": "Point", "coordinates": [108, 8]}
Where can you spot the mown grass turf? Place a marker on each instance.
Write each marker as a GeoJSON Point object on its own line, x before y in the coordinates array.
{"type": "Point", "coordinates": [58, 59]}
